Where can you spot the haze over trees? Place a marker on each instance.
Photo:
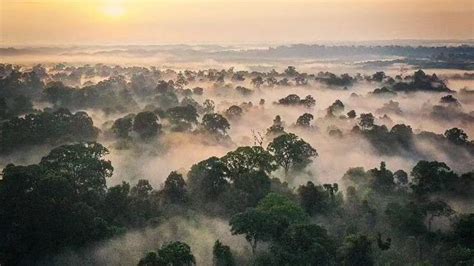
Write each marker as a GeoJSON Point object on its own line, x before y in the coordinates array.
{"type": "Point", "coordinates": [257, 165]}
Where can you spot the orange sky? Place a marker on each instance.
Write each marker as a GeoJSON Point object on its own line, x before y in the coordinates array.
{"type": "Point", "coordinates": [36, 22]}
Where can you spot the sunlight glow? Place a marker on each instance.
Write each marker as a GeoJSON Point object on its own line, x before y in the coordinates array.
{"type": "Point", "coordinates": [114, 10]}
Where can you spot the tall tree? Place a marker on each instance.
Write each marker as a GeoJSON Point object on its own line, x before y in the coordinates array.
{"type": "Point", "coordinates": [291, 152]}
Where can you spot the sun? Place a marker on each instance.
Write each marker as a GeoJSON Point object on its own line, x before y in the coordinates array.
{"type": "Point", "coordinates": [114, 10]}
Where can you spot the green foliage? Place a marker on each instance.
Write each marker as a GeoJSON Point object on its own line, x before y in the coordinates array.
{"type": "Point", "coordinates": [431, 177]}
{"type": "Point", "coordinates": [146, 125]}
{"type": "Point", "coordinates": [304, 244]}
{"type": "Point", "coordinates": [215, 124]}
{"type": "Point", "coordinates": [16, 106]}
{"type": "Point", "coordinates": [291, 152]}
{"type": "Point", "coordinates": [463, 232]}
{"type": "Point", "coordinates": [58, 127]}
{"type": "Point", "coordinates": [335, 109]}
{"type": "Point", "coordinates": [246, 159]}
{"type": "Point", "coordinates": [459, 256]}
{"type": "Point", "coordinates": [143, 205]}
{"type": "Point", "coordinates": [304, 120]}
{"type": "Point", "coordinates": [54, 204]}
{"type": "Point", "coordinates": [382, 181]}
{"type": "Point", "coordinates": [277, 128]}
{"type": "Point", "coordinates": [82, 165]}
{"type": "Point", "coordinates": [151, 259]}
{"type": "Point", "coordinates": [175, 190]}
{"type": "Point", "coordinates": [222, 256]}
{"type": "Point", "coordinates": [123, 126]}
{"type": "Point", "coordinates": [256, 225]}
{"type": "Point", "coordinates": [110, 95]}
{"type": "Point", "coordinates": [436, 208]}
{"type": "Point", "coordinates": [208, 179]}
{"type": "Point", "coordinates": [234, 112]}
{"type": "Point", "coordinates": [182, 118]}
{"type": "Point", "coordinates": [166, 97]}
{"type": "Point", "coordinates": [319, 199]}
{"type": "Point", "coordinates": [268, 220]}
{"type": "Point", "coordinates": [407, 219]}
{"type": "Point", "coordinates": [456, 136]}
{"type": "Point", "coordinates": [357, 250]}
{"type": "Point", "coordinates": [366, 121]}
{"type": "Point", "coordinates": [254, 185]}
{"type": "Point", "coordinates": [175, 254]}
{"type": "Point", "coordinates": [239, 179]}
{"type": "Point", "coordinates": [286, 210]}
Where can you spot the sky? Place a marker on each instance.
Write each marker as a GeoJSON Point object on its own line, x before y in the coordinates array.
{"type": "Point", "coordinates": [74, 22]}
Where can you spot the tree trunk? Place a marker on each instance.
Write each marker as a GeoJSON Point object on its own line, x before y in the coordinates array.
{"type": "Point", "coordinates": [430, 221]}
{"type": "Point", "coordinates": [254, 247]}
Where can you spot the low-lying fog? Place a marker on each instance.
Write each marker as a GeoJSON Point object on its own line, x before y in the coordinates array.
{"type": "Point", "coordinates": [154, 160]}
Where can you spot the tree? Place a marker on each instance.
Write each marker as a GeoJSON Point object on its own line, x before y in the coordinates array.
{"type": "Point", "coordinates": [4, 112]}
{"type": "Point", "coordinates": [209, 106]}
{"type": "Point", "coordinates": [308, 101]}
{"type": "Point", "coordinates": [250, 187]}
{"type": "Point", "coordinates": [304, 244]}
{"type": "Point", "coordinates": [351, 114]}
{"type": "Point", "coordinates": [304, 120]}
{"type": "Point", "coordinates": [166, 97]}
{"type": "Point", "coordinates": [403, 134]}
{"type": "Point", "coordinates": [400, 177]}
{"type": "Point", "coordinates": [366, 121]}
{"type": "Point", "coordinates": [21, 105]}
{"type": "Point", "coordinates": [456, 136]}
{"type": "Point", "coordinates": [407, 218]}
{"type": "Point", "coordinates": [55, 204]}
{"type": "Point", "coordinates": [277, 128]}
{"type": "Point", "coordinates": [243, 90]}
{"type": "Point", "coordinates": [430, 177]}
{"type": "Point", "coordinates": [182, 117]}
{"type": "Point", "coordinates": [254, 224]}
{"type": "Point", "coordinates": [122, 126]}
{"type": "Point", "coordinates": [291, 71]}
{"type": "Point", "coordinates": [209, 178]}
{"type": "Point", "coordinates": [222, 256]}
{"type": "Point", "coordinates": [198, 90]}
{"type": "Point", "coordinates": [291, 152]}
{"type": "Point", "coordinates": [383, 181]}
{"type": "Point", "coordinates": [291, 99]}
{"type": "Point", "coordinates": [284, 210]}
{"type": "Point", "coordinates": [247, 159]}
{"type": "Point", "coordinates": [383, 245]}
{"type": "Point", "coordinates": [144, 203]}
{"type": "Point", "coordinates": [437, 208]}
{"type": "Point", "coordinates": [463, 233]}
{"type": "Point", "coordinates": [146, 125]}
{"type": "Point", "coordinates": [151, 259]}
{"type": "Point", "coordinates": [257, 81]}
{"type": "Point", "coordinates": [215, 124]}
{"type": "Point", "coordinates": [379, 76]}
{"type": "Point", "coordinates": [356, 251]}
{"type": "Point", "coordinates": [175, 253]}
{"type": "Point", "coordinates": [233, 112]}
{"type": "Point", "coordinates": [314, 199]}
{"type": "Point", "coordinates": [55, 128]}
{"type": "Point", "coordinates": [174, 190]}
{"type": "Point", "coordinates": [58, 94]}
{"type": "Point", "coordinates": [268, 220]}
{"type": "Point", "coordinates": [117, 201]}
{"type": "Point", "coordinates": [335, 109]}
{"type": "Point", "coordinates": [83, 165]}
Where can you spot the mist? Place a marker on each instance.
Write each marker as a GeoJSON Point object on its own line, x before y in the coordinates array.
{"type": "Point", "coordinates": [110, 84]}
